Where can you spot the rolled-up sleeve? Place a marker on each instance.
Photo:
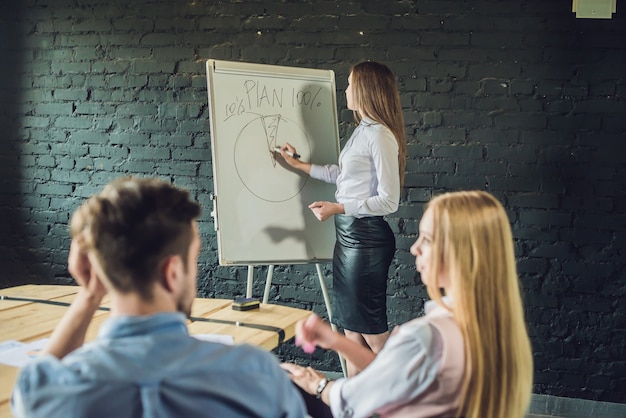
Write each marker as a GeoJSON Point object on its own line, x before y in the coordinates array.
{"type": "Point", "coordinates": [327, 173]}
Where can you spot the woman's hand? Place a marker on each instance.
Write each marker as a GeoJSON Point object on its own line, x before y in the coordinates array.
{"type": "Point", "coordinates": [294, 161]}
{"type": "Point", "coordinates": [314, 331]}
{"type": "Point", "coordinates": [306, 377]}
{"type": "Point", "coordinates": [285, 152]}
{"type": "Point", "coordinates": [324, 210]}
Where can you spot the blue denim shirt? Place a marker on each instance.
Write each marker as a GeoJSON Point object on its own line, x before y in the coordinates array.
{"type": "Point", "coordinates": [149, 366]}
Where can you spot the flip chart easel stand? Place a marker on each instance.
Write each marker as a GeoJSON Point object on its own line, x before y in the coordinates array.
{"type": "Point", "coordinates": [268, 284]}
{"type": "Point", "coordinates": [266, 294]}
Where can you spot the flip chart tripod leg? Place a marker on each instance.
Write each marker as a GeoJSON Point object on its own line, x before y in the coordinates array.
{"type": "Point", "coordinates": [250, 277]}
{"type": "Point", "coordinates": [320, 274]}
{"type": "Point", "coordinates": [268, 283]}
{"type": "Point", "coordinates": [341, 359]}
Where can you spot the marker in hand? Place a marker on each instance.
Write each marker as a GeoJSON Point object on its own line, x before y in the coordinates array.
{"type": "Point", "coordinates": [289, 153]}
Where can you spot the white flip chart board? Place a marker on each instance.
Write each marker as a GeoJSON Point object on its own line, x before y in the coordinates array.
{"type": "Point", "coordinates": [260, 207]}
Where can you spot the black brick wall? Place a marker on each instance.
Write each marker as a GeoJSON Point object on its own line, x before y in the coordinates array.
{"type": "Point", "coordinates": [515, 97]}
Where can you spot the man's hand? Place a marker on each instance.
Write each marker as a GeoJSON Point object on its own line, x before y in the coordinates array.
{"type": "Point", "coordinates": [82, 267]}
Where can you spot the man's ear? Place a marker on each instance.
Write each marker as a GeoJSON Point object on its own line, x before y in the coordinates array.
{"type": "Point", "coordinates": [173, 273]}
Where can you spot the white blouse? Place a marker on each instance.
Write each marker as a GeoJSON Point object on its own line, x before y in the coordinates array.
{"type": "Point", "coordinates": [406, 369]}
{"type": "Point", "coordinates": [367, 177]}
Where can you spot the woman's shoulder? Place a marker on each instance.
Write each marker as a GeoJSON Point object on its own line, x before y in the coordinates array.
{"type": "Point", "coordinates": [437, 325]}
{"type": "Point", "coordinates": [379, 136]}
{"type": "Point", "coordinates": [374, 126]}
{"type": "Point", "coordinates": [416, 329]}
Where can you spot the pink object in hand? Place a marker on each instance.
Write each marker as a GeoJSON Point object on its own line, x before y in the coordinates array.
{"type": "Point", "coordinates": [307, 347]}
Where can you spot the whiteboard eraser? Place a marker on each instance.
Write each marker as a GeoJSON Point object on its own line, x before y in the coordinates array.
{"type": "Point", "coordinates": [246, 304]}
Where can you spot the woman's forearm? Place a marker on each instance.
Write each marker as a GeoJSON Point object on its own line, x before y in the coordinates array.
{"type": "Point", "coordinates": [359, 355]}
{"type": "Point", "coordinates": [304, 167]}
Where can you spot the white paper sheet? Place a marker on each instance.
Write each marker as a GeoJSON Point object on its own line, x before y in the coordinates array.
{"type": "Point", "coordinates": [216, 338]}
{"type": "Point", "coordinates": [17, 354]}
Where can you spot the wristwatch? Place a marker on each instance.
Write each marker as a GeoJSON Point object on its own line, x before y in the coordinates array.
{"type": "Point", "coordinates": [321, 387]}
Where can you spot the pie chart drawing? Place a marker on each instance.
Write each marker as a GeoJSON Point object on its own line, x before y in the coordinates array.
{"type": "Point", "coordinates": [257, 166]}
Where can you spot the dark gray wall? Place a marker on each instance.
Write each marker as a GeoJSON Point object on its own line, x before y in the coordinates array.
{"type": "Point", "coordinates": [515, 97]}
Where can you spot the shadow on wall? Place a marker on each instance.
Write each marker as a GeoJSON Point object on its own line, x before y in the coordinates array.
{"type": "Point", "coordinates": [15, 258]}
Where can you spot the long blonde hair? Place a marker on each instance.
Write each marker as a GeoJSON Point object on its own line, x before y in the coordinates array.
{"type": "Point", "coordinates": [376, 95]}
{"type": "Point", "coordinates": [473, 246]}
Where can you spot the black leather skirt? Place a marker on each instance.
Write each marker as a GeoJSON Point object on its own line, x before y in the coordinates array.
{"type": "Point", "coordinates": [363, 253]}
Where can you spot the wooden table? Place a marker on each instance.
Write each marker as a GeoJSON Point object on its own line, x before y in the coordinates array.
{"type": "Point", "coordinates": [29, 313]}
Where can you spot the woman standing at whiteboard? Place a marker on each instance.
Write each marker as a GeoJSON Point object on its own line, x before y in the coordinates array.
{"type": "Point", "coordinates": [368, 176]}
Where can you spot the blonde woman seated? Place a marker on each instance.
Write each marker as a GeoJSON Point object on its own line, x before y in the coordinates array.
{"type": "Point", "coordinates": [468, 356]}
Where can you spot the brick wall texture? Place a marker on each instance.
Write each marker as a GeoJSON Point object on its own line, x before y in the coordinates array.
{"type": "Point", "coordinates": [519, 98]}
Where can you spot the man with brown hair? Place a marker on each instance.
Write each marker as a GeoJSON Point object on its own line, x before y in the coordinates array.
{"type": "Point", "coordinates": [138, 240]}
